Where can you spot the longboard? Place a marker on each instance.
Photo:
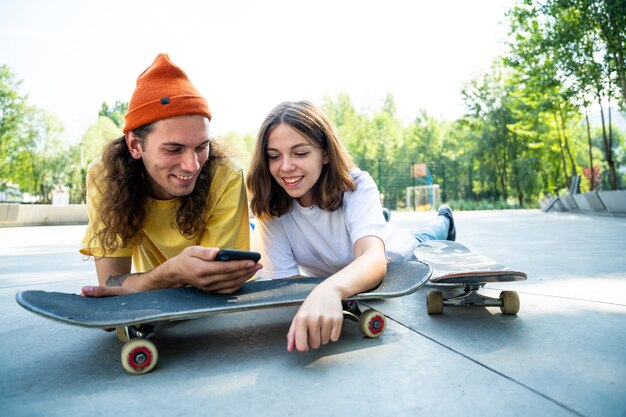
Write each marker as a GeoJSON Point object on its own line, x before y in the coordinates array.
{"type": "Point", "coordinates": [455, 265]}
{"type": "Point", "coordinates": [134, 315]}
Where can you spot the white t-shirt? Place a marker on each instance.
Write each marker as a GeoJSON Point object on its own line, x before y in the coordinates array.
{"type": "Point", "coordinates": [310, 241]}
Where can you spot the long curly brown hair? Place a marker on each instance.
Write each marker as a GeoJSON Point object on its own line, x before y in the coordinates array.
{"type": "Point", "coordinates": [123, 207]}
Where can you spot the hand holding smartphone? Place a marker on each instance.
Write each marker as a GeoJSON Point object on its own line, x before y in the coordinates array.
{"type": "Point", "coordinates": [237, 255]}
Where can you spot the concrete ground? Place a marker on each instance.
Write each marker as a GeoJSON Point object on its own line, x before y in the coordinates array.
{"type": "Point", "coordinates": [564, 354]}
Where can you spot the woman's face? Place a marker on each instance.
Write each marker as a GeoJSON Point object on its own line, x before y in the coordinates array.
{"type": "Point", "coordinates": [294, 162]}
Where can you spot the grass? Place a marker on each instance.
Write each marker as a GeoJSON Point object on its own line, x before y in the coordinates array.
{"type": "Point", "coordinates": [471, 205]}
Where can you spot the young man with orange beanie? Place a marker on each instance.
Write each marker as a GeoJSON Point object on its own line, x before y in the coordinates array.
{"type": "Point", "coordinates": [164, 197]}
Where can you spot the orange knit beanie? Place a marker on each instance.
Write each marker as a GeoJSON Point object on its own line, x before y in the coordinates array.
{"type": "Point", "coordinates": [163, 90]}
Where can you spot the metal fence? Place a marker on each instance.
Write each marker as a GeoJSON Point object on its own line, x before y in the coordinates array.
{"type": "Point", "coordinates": [403, 185]}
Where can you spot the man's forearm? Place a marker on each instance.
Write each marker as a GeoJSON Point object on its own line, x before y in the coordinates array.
{"type": "Point", "coordinates": [142, 281]}
{"type": "Point", "coordinates": [118, 280]}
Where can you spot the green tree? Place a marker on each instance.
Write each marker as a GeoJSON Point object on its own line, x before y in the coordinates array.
{"type": "Point", "coordinates": [607, 20]}
{"type": "Point", "coordinates": [12, 113]}
{"type": "Point", "coordinates": [116, 112]}
{"type": "Point", "coordinates": [96, 137]}
{"type": "Point", "coordinates": [577, 46]}
{"type": "Point", "coordinates": [373, 140]}
{"type": "Point", "coordinates": [42, 163]}
{"type": "Point", "coordinates": [589, 37]}
{"type": "Point", "coordinates": [385, 139]}
{"type": "Point", "coordinates": [503, 137]}
{"type": "Point", "coordinates": [488, 114]}
{"type": "Point", "coordinates": [354, 129]}
{"type": "Point", "coordinates": [90, 147]}
{"type": "Point", "coordinates": [456, 163]}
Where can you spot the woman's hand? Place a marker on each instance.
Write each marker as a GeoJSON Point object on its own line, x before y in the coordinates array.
{"type": "Point", "coordinates": [318, 321]}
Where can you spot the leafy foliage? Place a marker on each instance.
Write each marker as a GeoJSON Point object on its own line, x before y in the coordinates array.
{"type": "Point", "coordinates": [12, 114]}
{"type": "Point", "coordinates": [525, 132]}
{"type": "Point", "coordinates": [115, 112]}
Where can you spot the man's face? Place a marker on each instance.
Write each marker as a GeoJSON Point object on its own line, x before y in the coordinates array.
{"type": "Point", "coordinates": [173, 154]}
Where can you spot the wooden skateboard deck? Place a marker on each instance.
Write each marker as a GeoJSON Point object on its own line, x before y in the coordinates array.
{"type": "Point", "coordinates": [455, 265]}
{"type": "Point", "coordinates": [134, 315]}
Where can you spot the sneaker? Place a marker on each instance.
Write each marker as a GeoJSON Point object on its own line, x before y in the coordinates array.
{"type": "Point", "coordinates": [445, 210]}
{"type": "Point", "coordinates": [386, 214]}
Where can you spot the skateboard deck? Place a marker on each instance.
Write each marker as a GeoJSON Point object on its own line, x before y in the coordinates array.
{"type": "Point", "coordinates": [134, 315]}
{"type": "Point", "coordinates": [455, 265]}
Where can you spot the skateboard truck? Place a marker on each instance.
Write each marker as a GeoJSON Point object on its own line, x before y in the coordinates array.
{"type": "Point", "coordinates": [126, 333]}
{"type": "Point", "coordinates": [508, 301]}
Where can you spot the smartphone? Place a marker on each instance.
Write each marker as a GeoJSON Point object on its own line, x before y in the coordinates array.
{"type": "Point", "coordinates": [237, 255]}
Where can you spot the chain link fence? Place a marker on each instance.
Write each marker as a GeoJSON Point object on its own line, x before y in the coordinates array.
{"type": "Point", "coordinates": [400, 189]}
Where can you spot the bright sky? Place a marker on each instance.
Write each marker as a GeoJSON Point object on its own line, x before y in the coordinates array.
{"type": "Point", "coordinates": [246, 56]}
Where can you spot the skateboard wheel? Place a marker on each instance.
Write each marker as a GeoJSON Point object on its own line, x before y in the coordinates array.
{"type": "Point", "coordinates": [372, 323]}
{"type": "Point", "coordinates": [434, 302]}
{"type": "Point", "coordinates": [510, 302]}
{"type": "Point", "coordinates": [139, 356]}
{"type": "Point", "coordinates": [122, 334]}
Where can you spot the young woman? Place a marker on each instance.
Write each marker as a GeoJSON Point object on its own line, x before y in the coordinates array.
{"type": "Point", "coordinates": [319, 215]}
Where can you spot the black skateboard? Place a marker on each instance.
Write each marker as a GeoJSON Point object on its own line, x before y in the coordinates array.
{"type": "Point", "coordinates": [133, 316]}
{"type": "Point", "coordinates": [454, 265]}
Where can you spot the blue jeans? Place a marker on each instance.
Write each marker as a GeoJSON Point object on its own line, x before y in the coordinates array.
{"type": "Point", "coordinates": [435, 230]}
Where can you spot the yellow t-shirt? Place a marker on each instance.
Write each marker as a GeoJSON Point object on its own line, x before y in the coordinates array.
{"type": "Point", "coordinates": [227, 224]}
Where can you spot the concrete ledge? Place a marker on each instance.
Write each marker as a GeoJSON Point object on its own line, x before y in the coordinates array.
{"type": "Point", "coordinates": [581, 202]}
{"type": "Point", "coordinates": [41, 214]}
{"type": "Point", "coordinates": [594, 201]}
{"type": "Point", "coordinates": [608, 203]}
{"type": "Point", "coordinates": [568, 202]}
{"type": "Point", "coordinates": [552, 204]}
{"type": "Point", "coordinates": [615, 201]}
{"type": "Point", "coordinates": [8, 212]}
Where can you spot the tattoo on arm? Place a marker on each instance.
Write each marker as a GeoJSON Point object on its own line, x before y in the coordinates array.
{"type": "Point", "coordinates": [117, 280]}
